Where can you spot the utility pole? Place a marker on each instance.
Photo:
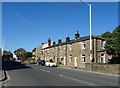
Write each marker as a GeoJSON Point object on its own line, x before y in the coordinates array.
{"type": "Point", "coordinates": [90, 13]}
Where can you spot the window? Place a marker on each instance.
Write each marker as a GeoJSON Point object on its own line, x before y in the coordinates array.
{"type": "Point", "coordinates": [70, 58]}
{"type": "Point", "coordinates": [64, 47]}
{"type": "Point", "coordinates": [83, 45]}
{"type": "Point", "coordinates": [83, 58]}
{"type": "Point", "coordinates": [53, 49]}
{"type": "Point", "coordinates": [102, 58]}
{"type": "Point", "coordinates": [61, 59]}
{"type": "Point", "coordinates": [60, 48]}
{"type": "Point", "coordinates": [102, 44]}
{"type": "Point", "coordinates": [42, 52]}
{"type": "Point", "coordinates": [48, 51]}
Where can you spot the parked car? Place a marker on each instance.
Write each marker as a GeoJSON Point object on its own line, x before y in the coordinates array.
{"type": "Point", "coordinates": [32, 62]}
{"type": "Point", "coordinates": [18, 60]}
{"type": "Point", "coordinates": [41, 62]}
{"type": "Point", "coordinates": [50, 63]}
{"type": "Point", "coordinates": [5, 59]}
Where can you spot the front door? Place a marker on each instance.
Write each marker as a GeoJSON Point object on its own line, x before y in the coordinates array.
{"type": "Point", "coordinates": [64, 60]}
{"type": "Point", "coordinates": [56, 59]}
{"type": "Point", "coordinates": [75, 61]}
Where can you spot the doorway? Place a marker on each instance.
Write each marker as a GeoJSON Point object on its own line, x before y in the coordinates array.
{"type": "Point", "coordinates": [75, 61]}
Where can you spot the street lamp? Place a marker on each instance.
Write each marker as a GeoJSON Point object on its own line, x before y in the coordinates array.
{"type": "Point", "coordinates": [90, 8]}
{"type": "Point", "coordinates": [3, 42]}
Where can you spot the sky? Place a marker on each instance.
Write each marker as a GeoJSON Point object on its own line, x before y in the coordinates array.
{"type": "Point", "coordinates": [28, 24]}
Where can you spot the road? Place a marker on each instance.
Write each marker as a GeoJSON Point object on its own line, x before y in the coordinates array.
{"type": "Point", "coordinates": [35, 75]}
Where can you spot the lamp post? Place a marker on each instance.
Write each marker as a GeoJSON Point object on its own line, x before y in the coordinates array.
{"type": "Point", "coordinates": [3, 46]}
{"type": "Point", "coordinates": [90, 12]}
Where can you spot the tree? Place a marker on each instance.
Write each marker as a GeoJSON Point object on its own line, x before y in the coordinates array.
{"type": "Point", "coordinates": [105, 35]}
{"type": "Point", "coordinates": [19, 52]}
{"type": "Point", "coordinates": [27, 55]}
{"type": "Point", "coordinates": [7, 54]}
{"type": "Point", "coordinates": [112, 45]}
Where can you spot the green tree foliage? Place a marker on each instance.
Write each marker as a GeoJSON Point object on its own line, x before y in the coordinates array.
{"type": "Point", "coordinates": [105, 35]}
{"type": "Point", "coordinates": [112, 45]}
{"type": "Point", "coordinates": [30, 58]}
{"type": "Point", "coordinates": [27, 55]}
{"type": "Point", "coordinates": [19, 52]}
{"type": "Point", "coordinates": [7, 54]}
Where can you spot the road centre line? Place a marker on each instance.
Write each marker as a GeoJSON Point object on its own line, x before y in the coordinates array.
{"type": "Point", "coordinates": [44, 70]}
{"type": "Point", "coordinates": [88, 83]}
{"type": "Point", "coordinates": [76, 79]}
{"type": "Point", "coordinates": [47, 71]}
{"type": "Point", "coordinates": [69, 77]}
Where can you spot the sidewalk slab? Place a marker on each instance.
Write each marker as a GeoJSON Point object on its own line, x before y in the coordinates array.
{"type": "Point", "coordinates": [2, 75]}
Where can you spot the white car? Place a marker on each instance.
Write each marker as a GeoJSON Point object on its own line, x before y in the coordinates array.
{"type": "Point", "coordinates": [50, 64]}
{"type": "Point", "coordinates": [18, 60]}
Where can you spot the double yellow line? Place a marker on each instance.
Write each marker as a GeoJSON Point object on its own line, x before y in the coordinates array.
{"type": "Point", "coordinates": [7, 76]}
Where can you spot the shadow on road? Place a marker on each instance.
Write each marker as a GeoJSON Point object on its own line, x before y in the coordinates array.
{"type": "Point", "coordinates": [13, 66]}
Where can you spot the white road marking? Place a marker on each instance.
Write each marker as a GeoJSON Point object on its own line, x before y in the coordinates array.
{"type": "Point", "coordinates": [5, 85]}
{"type": "Point", "coordinates": [70, 78]}
{"type": "Point", "coordinates": [28, 65]}
{"type": "Point", "coordinates": [47, 71]}
{"type": "Point", "coordinates": [76, 79]}
{"type": "Point", "coordinates": [41, 69]}
{"type": "Point", "coordinates": [44, 70]}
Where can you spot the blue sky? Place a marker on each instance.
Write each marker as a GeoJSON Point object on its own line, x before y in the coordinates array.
{"type": "Point", "coordinates": [28, 24]}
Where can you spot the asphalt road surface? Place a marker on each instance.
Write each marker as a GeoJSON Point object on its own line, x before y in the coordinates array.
{"type": "Point", "coordinates": [36, 75]}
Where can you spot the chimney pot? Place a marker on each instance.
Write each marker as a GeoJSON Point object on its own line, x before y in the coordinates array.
{"type": "Point", "coordinates": [77, 35]}
{"type": "Point", "coordinates": [53, 43]}
{"type": "Point", "coordinates": [59, 41]}
{"type": "Point", "coordinates": [67, 38]}
{"type": "Point", "coordinates": [49, 42]}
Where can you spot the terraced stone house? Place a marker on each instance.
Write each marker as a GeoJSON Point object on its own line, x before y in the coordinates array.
{"type": "Point", "coordinates": [76, 52]}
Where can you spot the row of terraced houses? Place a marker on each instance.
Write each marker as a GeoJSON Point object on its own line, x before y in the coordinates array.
{"type": "Point", "coordinates": [74, 53]}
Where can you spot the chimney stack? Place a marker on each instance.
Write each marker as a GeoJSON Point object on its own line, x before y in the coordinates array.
{"type": "Point", "coordinates": [54, 43]}
{"type": "Point", "coordinates": [67, 38]}
{"type": "Point", "coordinates": [49, 42]}
{"type": "Point", "coordinates": [77, 35]}
{"type": "Point", "coordinates": [59, 41]}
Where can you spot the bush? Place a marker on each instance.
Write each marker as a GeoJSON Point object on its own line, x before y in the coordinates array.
{"type": "Point", "coordinates": [30, 59]}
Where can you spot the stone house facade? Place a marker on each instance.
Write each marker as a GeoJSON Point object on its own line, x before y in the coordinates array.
{"type": "Point", "coordinates": [76, 52]}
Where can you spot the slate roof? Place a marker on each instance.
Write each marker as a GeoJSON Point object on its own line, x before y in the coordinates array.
{"type": "Point", "coordinates": [75, 40]}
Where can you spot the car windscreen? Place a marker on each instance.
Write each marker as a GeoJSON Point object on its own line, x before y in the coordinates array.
{"type": "Point", "coordinates": [18, 59]}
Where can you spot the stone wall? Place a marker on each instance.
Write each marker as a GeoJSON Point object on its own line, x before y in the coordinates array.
{"type": "Point", "coordinates": [104, 68]}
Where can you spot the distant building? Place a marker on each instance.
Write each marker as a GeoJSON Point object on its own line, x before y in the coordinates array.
{"type": "Point", "coordinates": [37, 51]}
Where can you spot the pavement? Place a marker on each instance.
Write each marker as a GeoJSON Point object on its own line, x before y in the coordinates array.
{"type": "Point", "coordinates": [2, 75]}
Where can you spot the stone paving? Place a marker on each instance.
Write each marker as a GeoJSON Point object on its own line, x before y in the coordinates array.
{"type": "Point", "coordinates": [1, 75]}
